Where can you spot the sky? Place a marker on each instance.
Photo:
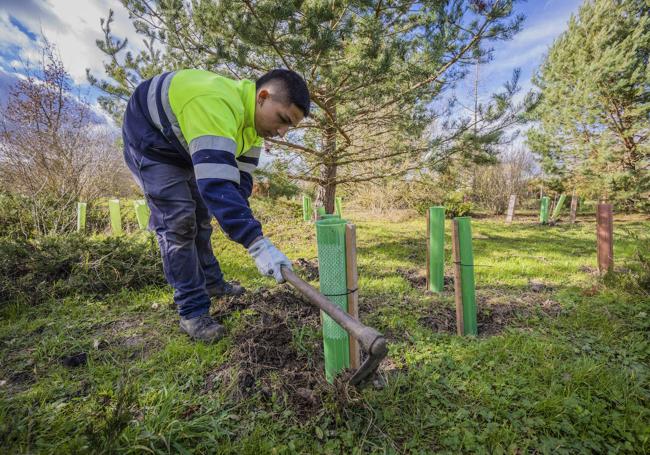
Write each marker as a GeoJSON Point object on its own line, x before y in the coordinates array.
{"type": "Point", "coordinates": [74, 26]}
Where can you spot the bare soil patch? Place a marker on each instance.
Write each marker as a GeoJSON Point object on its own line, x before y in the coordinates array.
{"type": "Point", "coordinates": [418, 279]}
{"type": "Point", "coordinates": [266, 357]}
{"type": "Point", "coordinates": [308, 268]}
{"type": "Point", "coordinates": [128, 336]}
{"type": "Point", "coordinates": [494, 313]}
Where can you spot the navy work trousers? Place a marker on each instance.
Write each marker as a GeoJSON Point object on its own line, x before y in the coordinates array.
{"type": "Point", "coordinates": [181, 221]}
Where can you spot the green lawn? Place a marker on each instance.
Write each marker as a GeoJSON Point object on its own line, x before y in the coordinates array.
{"type": "Point", "coordinates": [561, 364]}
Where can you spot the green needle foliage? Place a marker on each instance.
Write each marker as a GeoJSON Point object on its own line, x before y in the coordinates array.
{"type": "Point", "coordinates": [593, 115]}
{"type": "Point", "coordinates": [374, 68]}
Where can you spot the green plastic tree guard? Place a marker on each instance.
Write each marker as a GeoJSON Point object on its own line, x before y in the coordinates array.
{"type": "Point", "coordinates": [116, 220]}
{"type": "Point", "coordinates": [339, 209]}
{"type": "Point", "coordinates": [142, 213]}
{"type": "Point", "coordinates": [321, 211]}
{"type": "Point", "coordinates": [329, 216]}
{"type": "Point", "coordinates": [558, 207]}
{"type": "Point", "coordinates": [543, 210]}
{"type": "Point", "coordinates": [306, 208]}
{"type": "Point", "coordinates": [81, 216]}
{"type": "Point", "coordinates": [330, 236]}
{"type": "Point", "coordinates": [467, 275]}
{"type": "Point", "coordinates": [436, 253]}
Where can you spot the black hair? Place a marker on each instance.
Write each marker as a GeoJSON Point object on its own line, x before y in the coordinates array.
{"type": "Point", "coordinates": [294, 86]}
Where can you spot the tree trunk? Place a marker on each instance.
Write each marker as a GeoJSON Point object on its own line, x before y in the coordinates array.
{"type": "Point", "coordinates": [326, 191]}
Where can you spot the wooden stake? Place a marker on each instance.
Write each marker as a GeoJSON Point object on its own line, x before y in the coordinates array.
{"type": "Point", "coordinates": [511, 208]}
{"type": "Point", "coordinates": [458, 292]}
{"type": "Point", "coordinates": [352, 283]}
{"type": "Point", "coordinates": [605, 237]}
{"type": "Point", "coordinates": [574, 207]}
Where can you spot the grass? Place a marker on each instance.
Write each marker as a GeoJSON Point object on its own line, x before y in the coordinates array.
{"type": "Point", "coordinates": [570, 380]}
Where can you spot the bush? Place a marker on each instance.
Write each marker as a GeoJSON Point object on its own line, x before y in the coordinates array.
{"type": "Point", "coordinates": [455, 206]}
{"type": "Point", "coordinates": [29, 217]}
{"type": "Point", "coordinates": [267, 209]}
{"type": "Point", "coordinates": [637, 278]}
{"type": "Point", "coordinates": [98, 218]}
{"type": "Point", "coordinates": [14, 220]}
{"type": "Point", "coordinates": [37, 215]}
{"type": "Point", "coordinates": [415, 194]}
{"type": "Point", "coordinates": [57, 266]}
{"type": "Point", "coordinates": [274, 181]}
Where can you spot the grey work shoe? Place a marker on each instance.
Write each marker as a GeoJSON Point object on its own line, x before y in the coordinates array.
{"type": "Point", "coordinates": [227, 288]}
{"type": "Point", "coordinates": [203, 328]}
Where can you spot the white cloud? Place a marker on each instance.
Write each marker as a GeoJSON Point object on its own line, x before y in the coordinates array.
{"type": "Point", "coordinates": [18, 64]}
{"type": "Point", "coordinates": [101, 113]}
{"type": "Point", "coordinates": [511, 61]}
{"type": "Point", "coordinates": [73, 26]}
{"type": "Point", "coordinates": [541, 32]}
{"type": "Point", "coordinates": [10, 35]}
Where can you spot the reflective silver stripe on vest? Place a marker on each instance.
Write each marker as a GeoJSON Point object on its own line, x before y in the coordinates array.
{"type": "Point", "coordinates": [164, 95]}
{"type": "Point", "coordinates": [212, 143]}
{"type": "Point", "coordinates": [246, 167]}
{"type": "Point", "coordinates": [151, 102]}
{"type": "Point", "coordinates": [216, 171]}
{"type": "Point", "coordinates": [254, 152]}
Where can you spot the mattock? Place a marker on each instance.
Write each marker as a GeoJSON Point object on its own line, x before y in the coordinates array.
{"type": "Point", "coordinates": [371, 341]}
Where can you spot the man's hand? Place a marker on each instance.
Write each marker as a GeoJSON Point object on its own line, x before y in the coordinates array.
{"type": "Point", "coordinates": [268, 258]}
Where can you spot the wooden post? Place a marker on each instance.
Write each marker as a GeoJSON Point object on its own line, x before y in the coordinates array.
{"type": "Point", "coordinates": [352, 283]}
{"type": "Point", "coordinates": [574, 207]}
{"type": "Point", "coordinates": [511, 208]}
{"type": "Point", "coordinates": [458, 293]}
{"type": "Point", "coordinates": [605, 237]}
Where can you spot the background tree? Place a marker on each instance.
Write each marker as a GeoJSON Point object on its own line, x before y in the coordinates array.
{"type": "Point", "coordinates": [374, 69]}
{"type": "Point", "coordinates": [595, 108]}
{"type": "Point", "coordinates": [53, 148]}
{"type": "Point", "coordinates": [493, 185]}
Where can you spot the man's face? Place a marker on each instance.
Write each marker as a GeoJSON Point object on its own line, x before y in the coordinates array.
{"type": "Point", "coordinates": [273, 116]}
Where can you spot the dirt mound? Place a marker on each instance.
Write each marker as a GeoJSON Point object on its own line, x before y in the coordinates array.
{"type": "Point", "coordinates": [307, 268]}
{"type": "Point", "coordinates": [418, 279]}
{"type": "Point", "coordinates": [440, 320]}
{"type": "Point", "coordinates": [276, 350]}
{"type": "Point", "coordinates": [491, 318]}
{"type": "Point", "coordinates": [415, 278]}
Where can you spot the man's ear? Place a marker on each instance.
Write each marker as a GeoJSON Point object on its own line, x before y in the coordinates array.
{"type": "Point", "coordinates": [262, 96]}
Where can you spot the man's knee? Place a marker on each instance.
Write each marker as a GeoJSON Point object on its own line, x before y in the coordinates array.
{"type": "Point", "coordinates": [182, 228]}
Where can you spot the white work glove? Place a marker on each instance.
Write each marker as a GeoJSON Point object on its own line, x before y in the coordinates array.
{"type": "Point", "coordinates": [269, 259]}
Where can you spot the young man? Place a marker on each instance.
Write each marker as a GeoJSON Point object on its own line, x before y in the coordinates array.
{"type": "Point", "coordinates": [192, 139]}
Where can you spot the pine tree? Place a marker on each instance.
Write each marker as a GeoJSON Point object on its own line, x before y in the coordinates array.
{"type": "Point", "coordinates": [375, 69]}
{"type": "Point", "coordinates": [595, 107]}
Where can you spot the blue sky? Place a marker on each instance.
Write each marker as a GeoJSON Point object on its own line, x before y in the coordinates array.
{"type": "Point", "coordinates": [545, 21]}
{"type": "Point", "coordinates": [74, 26]}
